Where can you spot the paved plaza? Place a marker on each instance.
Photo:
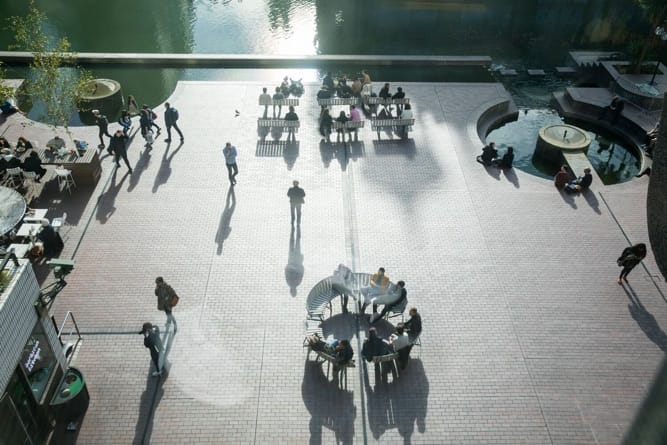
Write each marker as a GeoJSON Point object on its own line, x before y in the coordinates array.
{"type": "Point", "coordinates": [527, 337]}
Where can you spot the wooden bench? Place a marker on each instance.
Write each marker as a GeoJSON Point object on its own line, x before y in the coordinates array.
{"type": "Point", "coordinates": [338, 101]}
{"type": "Point", "coordinates": [282, 102]}
{"type": "Point", "coordinates": [319, 299]}
{"type": "Point", "coordinates": [275, 124]}
{"type": "Point", "coordinates": [388, 101]}
{"type": "Point", "coordinates": [349, 126]}
{"type": "Point", "coordinates": [396, 125]}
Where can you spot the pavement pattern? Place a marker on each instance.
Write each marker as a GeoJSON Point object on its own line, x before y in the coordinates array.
{"type": "Point", "coordinates": [527, 337]}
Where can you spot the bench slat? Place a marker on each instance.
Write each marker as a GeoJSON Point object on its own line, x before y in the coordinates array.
{"type": "Point", "coordinates": [285, 102]}
{"type": "Point", "coordinates": [349, 125]}
{"type": "Point", "coordinates": [338, 101]}
{"type": "Point", "coordinates": [382, 101]}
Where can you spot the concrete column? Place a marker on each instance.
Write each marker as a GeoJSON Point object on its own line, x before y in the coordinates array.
{"type": "Point", "coordinates": [656, 201]}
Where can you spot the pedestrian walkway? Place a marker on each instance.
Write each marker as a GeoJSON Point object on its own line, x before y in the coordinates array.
{"type": "Point", "coordinates": [527, 337]}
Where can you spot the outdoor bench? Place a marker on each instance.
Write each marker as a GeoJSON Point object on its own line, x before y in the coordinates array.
{"type": "Point", "coordinates": [338, 101]}
{"type": "Point", "coordinates": [282, 102]}
{"type": "Point", "coordinates": [399, 126]}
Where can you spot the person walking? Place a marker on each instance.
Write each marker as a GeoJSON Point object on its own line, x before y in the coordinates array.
{"type": "Point", "coordinates": [151, 117]}
{"type": "Point", "coordinates": [103, 124]}
{"type": "Point", "coordinates": [118, 147]}
{"type": "Point", "coordinates": [230, 154]}
{"type": "Point", "coordinates": [170, 118]}
{"type": "Point", "coordinates": [166, 300]}
{"type": "Point", "coordinates": [154, 344]}
{"type": "Point", "coordinates": [296, 199]}
{"type": "Point", "coordinates": [630, 257]}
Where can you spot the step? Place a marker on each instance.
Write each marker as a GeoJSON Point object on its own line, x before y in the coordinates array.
{"type": "Point", "coordinates": [536, 72]}
{"type": "Point", "coordinates": [566, 70]}
{"type": "Point", "coordinates": [508, 72]}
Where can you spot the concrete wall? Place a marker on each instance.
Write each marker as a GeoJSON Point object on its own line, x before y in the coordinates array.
{"type": "Point", "coordinates": [656, 202]}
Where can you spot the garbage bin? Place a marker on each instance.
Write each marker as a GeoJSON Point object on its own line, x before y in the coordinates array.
{"type": "Point", "coordinates": [71, 399]}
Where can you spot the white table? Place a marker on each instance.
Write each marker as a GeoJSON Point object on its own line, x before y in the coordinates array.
{"type": "Point", "coordinates": [20, 250]}
{"type": "Point", "coordinates": [25, 228]}
{"type": "Point", "coordinates": [37, 215]}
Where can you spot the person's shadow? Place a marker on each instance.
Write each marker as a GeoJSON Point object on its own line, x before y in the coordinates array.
{"type": "Point", "coordinates": [165, 167]}
{"type": "Point", "coordinates": [224, 228]}
{"type": "Point", "coordinates": [400, 403]}
{"type": "Point", "coordinates": [568, 198]}
{"type": "Point", "coordinates": [106, 201]}
{"type": "Point", "coordinates": [290, 153]}
{"type": "Point", "coordinates": [294, 269]}
{"type": "Point", "coordinates": [646, 321]}
{"type": "Point", "coordinates": [511, 176]}
{"type": "Point", "coordinates": [327, 404]}
{"type": "Point", "coordinates": [150, 399]}
{"type": "Point", "coordinates": [592, 200]}
{"type": "Point", "coordinates": [139, 168]}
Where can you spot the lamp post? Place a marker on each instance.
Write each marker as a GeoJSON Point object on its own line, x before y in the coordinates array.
{"type": "Point", "coordinates": [661, 33]}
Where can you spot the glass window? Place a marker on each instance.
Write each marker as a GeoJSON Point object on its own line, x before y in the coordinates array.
{"type": "Point", "coordinates": [37, 361]}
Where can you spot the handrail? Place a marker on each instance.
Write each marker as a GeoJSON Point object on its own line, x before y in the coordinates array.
{"type": "Point", "coordinates": [68, 315]}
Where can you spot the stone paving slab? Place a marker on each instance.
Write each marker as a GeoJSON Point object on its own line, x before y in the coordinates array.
{"type": "Point", "coordinates": [527, 337]}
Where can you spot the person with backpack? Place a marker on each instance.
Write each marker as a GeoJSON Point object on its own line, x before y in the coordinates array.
{"type": "Point", "coordinates": [166, 300]}
{"type": "Point", "coordinates": [103, 124]}
{"type": "Point", "coordinates": [629, 259]}
{"type": "Point", "coordinates": [170, 118]}
{"type": "Point", "coordinates": [151, 116]}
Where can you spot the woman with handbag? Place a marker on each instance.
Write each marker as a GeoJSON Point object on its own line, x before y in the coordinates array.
{"type": "Point", "coordinates": [630, 257]}
{"type": "Point", "coordinates": [166, 300]}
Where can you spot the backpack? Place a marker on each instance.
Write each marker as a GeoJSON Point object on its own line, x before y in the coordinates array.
{"type": "Point", "coordinates": [175, 114]}
{"type": "Point", "coordinates": [153, 114]}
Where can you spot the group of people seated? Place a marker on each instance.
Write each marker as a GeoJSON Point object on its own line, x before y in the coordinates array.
{"type": "Point", "coordinates": [341, 350]}
{"type": "Point", "coordinates": [342, 88]}
{"type": "Point", "coordinates": [326, 123]}
{"type": "Point", "coordinates": [32, 163]}
{"type": "Point", "coordinates": [490, 156]}
{"type": "Point", "coordinates": [401, 341]}
{"type": "Point", "coordinates": [580, 184]}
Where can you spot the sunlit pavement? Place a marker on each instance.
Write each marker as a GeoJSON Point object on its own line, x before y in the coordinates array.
{"type": "Point", "coordinates": [527, 337]}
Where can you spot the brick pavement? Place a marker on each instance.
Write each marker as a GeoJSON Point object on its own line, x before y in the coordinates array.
{"type": "Point", "coordinates": [527, 337]}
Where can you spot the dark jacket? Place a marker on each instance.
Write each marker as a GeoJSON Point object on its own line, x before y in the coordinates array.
{"type": "Point", "coordinates": [291, 116]}
{"type": "Point", "coordinates": [374, 347]}
{"type": "Point", "coordinates": [33, 164]}
{"type": "Point", "coordinates": [507, 160]}
{"type": "Point", "coordinates": [118, 144]}
{"type": "Point", "coordinates": [164, 294]}
{"type": "Point", "coordinates": [170, 116]}
{"type": "Point", "coordinates": [153, 342]}
{"type": "Point", "coordinates": [586, 181]}
{"type": "Point", "coordinates": [53, 244]}
{"type": "Point", "coordinates": [102, 122]}
{"type": "Point", "coordinates": [414, 326]}
{"type": "Point", "coordinates": [344, 353]}
{"type": "Point", "coordinates": [296, 195]}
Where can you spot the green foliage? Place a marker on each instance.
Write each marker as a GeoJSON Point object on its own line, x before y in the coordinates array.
{"type": "Point", "coordinates": [55, 79]}
{"type": "Point", "coordinates": [5, 91]}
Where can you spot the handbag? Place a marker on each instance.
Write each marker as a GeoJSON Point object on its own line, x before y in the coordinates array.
{"type": "Point", "coordinates": [173, 301]}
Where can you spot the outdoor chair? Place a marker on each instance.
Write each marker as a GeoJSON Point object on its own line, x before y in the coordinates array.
{"type": "Point", "coordinates": [59, 222]}
{"type": "Point", "coordinates": [14, 177]}
{"type": "Point", "coordinates": [65, 180]}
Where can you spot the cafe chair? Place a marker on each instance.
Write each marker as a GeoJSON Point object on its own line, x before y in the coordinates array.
{"type": "Point", "coordinates": [65, 180]}
{"type": "Point", "coordinates": [58, 223]}
{"type": "Point", "coordinates": [13, 178]}
{"type": "Point", "coordinates": [31, 177]}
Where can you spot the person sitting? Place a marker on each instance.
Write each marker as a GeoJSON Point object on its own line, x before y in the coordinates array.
{"type": "Point", "coordinates": [4, 143]}
{"type": "Point", "coordinates": [326, 122]}
{"type": "Point", "coordinates": [278, 95]}
{"type": "Point", "coordinates": [489, 153]}
{"type": "Point", "coordinates": [343, 353]}
{"type": "Point", "coordinates": [366, 78]}
{"type": "Point", "coordinates": [80, 145]}
{"type": "Point", "coordinates": [328, 83]}
{"type": "Point", "coordinates": [379, 285]}
{"type": "Point", "coordinates": [8, 108]}
{"type": "Point", "coordinates": [56, 143]}
{"type": "Point", "coordinates": [384, 92]}
{"type": "Point", "coordinates": [406, 114]}
{"type": "Point", "coordinates": [507, 159]}
{"type": "Point", "coordinates": [323, 94]}
{"type": "Point", "coordinates": [342, 118]}
{"type": "Point", "coordinates": [125, 122]}
{"type": "Point", "coordinates": [284, 86]}
{"type": "Point", "coordinates": [414, 325]}
{"type": "Point", "coordinates": [373, 346]}
{"type": "Point", "coordinates": [397, 289]}
{"type": "Point", "coordinates": [51, 240]}
{"type": "Point", "coordinates": [399, 95]}
{"type": "Point", "coordinates": [356, 88]}
{"type": "Point", "coordinates": [561, 177]}
{"type": "Point", "coordinates": [400, 342]}
{"type": "Point", "coordinates": [291, 116]}
{"type": "Point", "coordinates": [343, 90]}
{"type": "Point", "coordinates": [615, 107]}
{"type": "Point", "coordinates": [265, 99]}
{"type": "Point", "coordinates": [580, 184]}
{"type": "Point", "coordinates": [10, 161]}
{"type": "Point", "coordinates": [23, 144]}
{"type": "Point", "coordinates": [33, 164]}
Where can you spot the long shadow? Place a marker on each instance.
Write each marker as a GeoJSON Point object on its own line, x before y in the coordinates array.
{"type": "Point", "coordinates": [224, 228]}
{"type": "Point", "coordinates": [165, 167]}
{"type": "Point", "coordinates": [149, 401]}
{"type": "Point", "coordinates": [393, 147]}
{"type": "Point", "coordinates": [645, 319]}
{"type": "Point", "coordinates": [568, 198]}
{"type": "Point", "coordinates": [511, 176]}
{"type": "Point", "coordinates": [492, 171]}
{"type": "Point", "coordinates": [400, 404]}
{"type": "Point", "coordinates": [340, 326]}
{"type": "Point", "coordinates": [139, 168]}
{"type": "Point", "coordinates": [294, 269]}
{"type": "Point", "coordinates": [329, 406]}
{"type": "Point", "coordinates": [58, 202]}
{"type": "Point", "coordinates": [289, 151]}
{"type": "Point", "coordinates": [106, 201]}
{"type": "Point", "coordinates": [592, 200]}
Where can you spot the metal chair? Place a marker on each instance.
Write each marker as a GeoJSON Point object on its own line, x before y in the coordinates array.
{"type": "Point", "coordinates": [13, 178]}
{"type": "Point", "coordinates": [59, 222]}
{"type": "Point", "coordinates": [65, 179]}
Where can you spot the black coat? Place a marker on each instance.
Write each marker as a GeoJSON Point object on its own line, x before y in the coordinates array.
{"type": "Point", "coordinates": [118, 144]}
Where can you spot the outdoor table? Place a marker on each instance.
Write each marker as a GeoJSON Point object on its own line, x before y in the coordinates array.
{"type": "Point", "coordinates": [12, 209]}
{"type": "Point", "coordinates": [20, 250]}
{"type": "Point", "coordinates": [85, 168]}
{"type": "Point", "coordinates": [25, 228]}
{"type": "Point", "coordinates": [35, 215]}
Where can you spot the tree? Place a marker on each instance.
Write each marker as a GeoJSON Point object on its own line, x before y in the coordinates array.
{"type": "Point", "coordinates": [655, 12]}
{"type": "Point", "coordinates": [5, 91]}
{"type": "Point", "coordinates": [55, 80]}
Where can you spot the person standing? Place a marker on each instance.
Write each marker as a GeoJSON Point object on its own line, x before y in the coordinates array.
{"type": "Point", "coordinates": [118, 147]}
{"type": "Point", "coordinates": [170, 118]}
{"type": "Point", "coordinates": [296, 199]}
{"type": "Point", "coordinates": [125, 122]}
{"type": "Point", "coordinates": [630, 257]}
{"type": "Point", "coordinates": [230, 161]}
{"type": "Point", "coordinates": [154, 344]}
{"type": "Point", "coordinates": [265, 99]}
{"type": "Point", "coordinates": [277, 96]}
{"type": "Point", "coordinates": [166, 300]}
{"type": "Point", "coordinates": [103, 124]}
{"type": "Point", "coordinates": [291, 116]}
